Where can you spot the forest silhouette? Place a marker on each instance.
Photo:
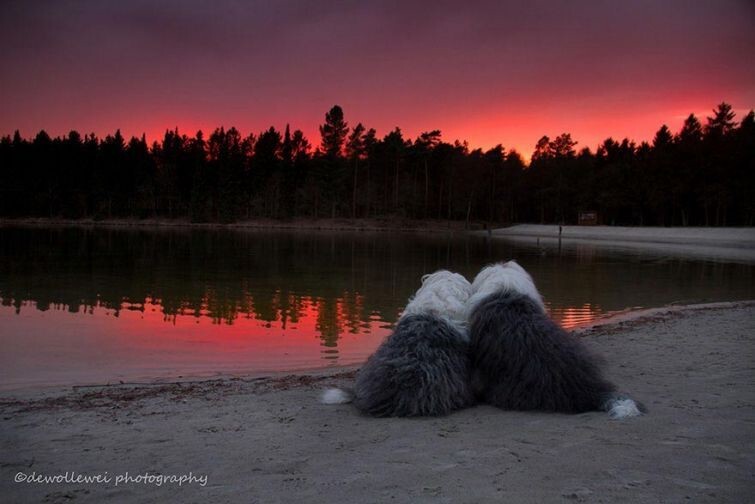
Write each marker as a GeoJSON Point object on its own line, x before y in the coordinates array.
{"type": "Point", "coordinates": [702, 175]}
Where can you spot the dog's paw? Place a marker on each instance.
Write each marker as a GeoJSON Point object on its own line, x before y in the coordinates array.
{"type": "Point", "coordinates": [623, 408]}
{"type": "Point", "coordinates": [335, 396]}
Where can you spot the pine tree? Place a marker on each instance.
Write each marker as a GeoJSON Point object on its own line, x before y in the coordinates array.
{"type": "Point", "coordinates": [722, 123]}
{"type": "Point", "coordinates": [663, 138]}
{"type": "Point", "coordinates": [355, 151]}
{"type": "Point", "coordinates": [334, 132]}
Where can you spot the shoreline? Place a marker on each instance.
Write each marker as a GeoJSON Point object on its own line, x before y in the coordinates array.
{"type": "Point", "coordinates": [609, 323]}
{"type": "Point", "coordinates": [734, 237]}
{"type": "Point", "coordinates": [721, 236]}
{"type": "Point", "coordinates": [616, 321]}
{"type": "Point", "coordinates": [320, 224]}
{"type": "Point", "coordinates": [703, 243]}
{"type": "Point", "coordinates": [270, 440]}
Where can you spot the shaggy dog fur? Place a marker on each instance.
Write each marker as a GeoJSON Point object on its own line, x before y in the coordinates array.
{"type": "Point", "coordinates": [522, 360]}
{"type": "Point", "coordinates": [422, 368]}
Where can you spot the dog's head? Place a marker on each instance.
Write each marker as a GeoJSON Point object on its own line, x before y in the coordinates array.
{"type": "Point", "coordinates": [503, 277]}
{"type": "Point", "coordinates": [443, 294]}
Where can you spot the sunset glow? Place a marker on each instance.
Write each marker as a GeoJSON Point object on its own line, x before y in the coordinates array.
{"type": "Point", "coordinates": [494, 73]}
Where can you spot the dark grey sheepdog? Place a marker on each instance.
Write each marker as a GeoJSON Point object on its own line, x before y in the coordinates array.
{"type": "Point", "coordinates": [422, 368]}
{"type": "Point", "coordinates": [522, 360]}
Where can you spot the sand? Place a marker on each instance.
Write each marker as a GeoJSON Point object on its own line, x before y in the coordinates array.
{"type": "Point", "coordinates": [710, 243]}
{"type": "Point", "coordinates": [270, 441]}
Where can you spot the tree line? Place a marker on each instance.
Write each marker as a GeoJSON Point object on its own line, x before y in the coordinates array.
{"type": "Point", "coordinates": [704, 174]}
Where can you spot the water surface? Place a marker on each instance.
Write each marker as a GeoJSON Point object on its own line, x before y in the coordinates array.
{"type": "Point", "coordinates": [98, 305]}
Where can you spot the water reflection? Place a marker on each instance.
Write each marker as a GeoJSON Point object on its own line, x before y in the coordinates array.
{"type": "Point", "coordinates": [81, 304]}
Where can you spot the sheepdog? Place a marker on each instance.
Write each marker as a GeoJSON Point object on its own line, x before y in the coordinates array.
{"type": "Point", "coordinates": [422, 368]}
{"type": "Point", "coordinates": [522, 360]}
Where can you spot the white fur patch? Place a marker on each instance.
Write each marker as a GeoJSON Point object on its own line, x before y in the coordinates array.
{"type": "Point", "coordinates": [443, 294]}
{"type": "Point", "coordinates": [506, 277]}
{"type": "Point", "coordinates": [623, 408]}
{"type": "Point", "coordinates": [335, 396]}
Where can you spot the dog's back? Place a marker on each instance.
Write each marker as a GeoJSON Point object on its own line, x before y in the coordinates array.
{"type": "Point", "coordinates": [524, 361]}
{"type": "Point", "coordinates": [422, 369]}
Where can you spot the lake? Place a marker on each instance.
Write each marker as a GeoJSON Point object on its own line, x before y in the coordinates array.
{"type": "Point", "coordinates": [86, 305]}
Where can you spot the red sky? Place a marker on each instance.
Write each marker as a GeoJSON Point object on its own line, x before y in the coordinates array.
{"type": "Point", "coordinates": [489, 72]}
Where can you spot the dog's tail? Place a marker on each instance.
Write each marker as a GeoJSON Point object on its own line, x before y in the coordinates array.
{"type": "Point", "coordinates": [621, 406]}
{"type": "Point", "coordinates": [336, 396]}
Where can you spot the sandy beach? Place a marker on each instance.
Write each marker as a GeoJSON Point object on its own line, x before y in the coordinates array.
{"type": "Point", "coordinates": [709, 243]}
{"type": "Point", "coordinates": [268, 440]}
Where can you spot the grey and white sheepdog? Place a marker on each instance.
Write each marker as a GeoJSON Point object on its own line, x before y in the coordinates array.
{"type": "Point", "coordinates": [522, 360]}
{"type": "Point", "coordinates": [422, 368]}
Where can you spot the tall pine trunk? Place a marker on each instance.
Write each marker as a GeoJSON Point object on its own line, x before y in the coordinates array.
{"type": "Point", "coordinates": [427, 189]}
{"type": "Point", "coordinates": [354, 191]}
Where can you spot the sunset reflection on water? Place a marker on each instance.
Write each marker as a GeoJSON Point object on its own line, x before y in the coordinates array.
{"type": "Point", "coordinates": [101, 306]}
{"type": "Point", "coordinates": [571, 317]}
{"type": "Point", "coordinates": [142, 341]}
